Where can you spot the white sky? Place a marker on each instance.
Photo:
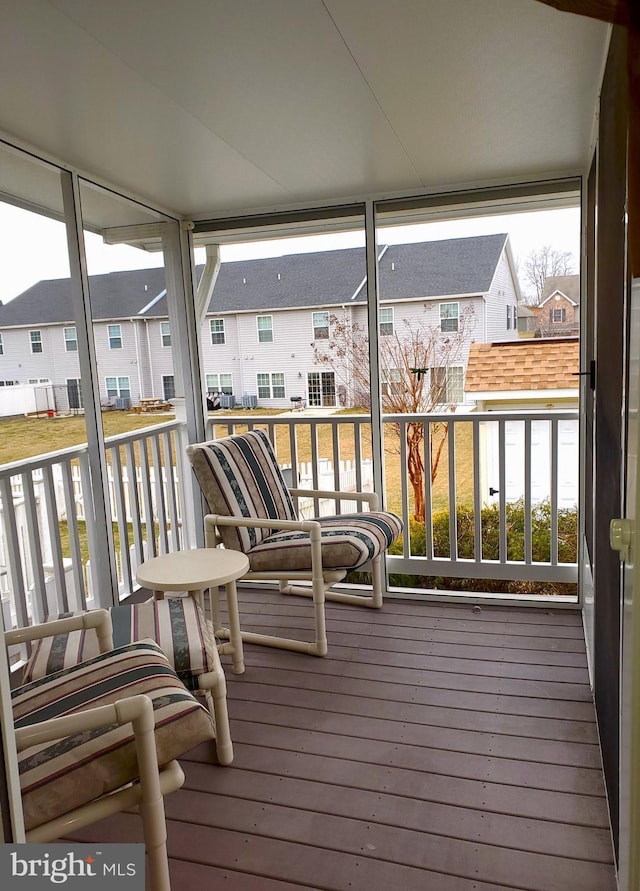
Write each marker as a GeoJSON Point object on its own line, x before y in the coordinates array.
{"type": "Point", "coordinates": [33, 248]}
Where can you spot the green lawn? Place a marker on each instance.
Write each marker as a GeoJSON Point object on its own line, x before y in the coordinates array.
{"type": "Point", "coordinates": [22, 438]}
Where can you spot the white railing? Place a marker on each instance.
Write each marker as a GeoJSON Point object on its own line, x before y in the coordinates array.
{"type": "Point", "coordinates": [498, 473]}
{"type": "Point", "coordinates": [512, 475]}
{"type": "Point", "coordinates": [49, 543]}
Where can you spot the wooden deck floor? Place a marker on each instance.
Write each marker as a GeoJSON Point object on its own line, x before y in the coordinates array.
{"type": "Point", "coordinates": [436, 747]}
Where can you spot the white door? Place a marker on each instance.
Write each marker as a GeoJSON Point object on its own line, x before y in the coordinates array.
{"type": "Point", "coordinates": [624, 537]}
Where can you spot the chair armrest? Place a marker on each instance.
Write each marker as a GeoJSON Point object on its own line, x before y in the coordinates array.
{"type": "Point", "coordinates": [98, 619]}
{"type": "Point", "coordinates": [370, 498]}
{"type": "Point", "coordinates": [309, 526]}
{"type": "Point", "coordinates": [136, 710]}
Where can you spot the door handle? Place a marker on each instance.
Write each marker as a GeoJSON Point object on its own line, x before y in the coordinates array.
{"type": "Point", "coordinates": [591, 373]}
{"type": "Point", "coordinates": [621, 534]}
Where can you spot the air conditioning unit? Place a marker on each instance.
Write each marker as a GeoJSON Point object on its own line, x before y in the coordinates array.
{"type": "Point", "coordinates": [249, 401]}
{"type": "Point", "coordinates": [227, 401]}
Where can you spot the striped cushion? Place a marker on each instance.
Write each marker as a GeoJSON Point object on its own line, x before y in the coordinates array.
{"type": "Point", "coordinates": [239, 476]}
{"type": "Point", "coordinates": [57, 777]}
{"type": "Point", "coordinates": [176, 625]}
{"type": "Point", "coordinates": [348, 541]}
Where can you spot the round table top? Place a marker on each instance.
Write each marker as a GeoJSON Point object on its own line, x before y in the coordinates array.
{"type": "Point", "coordinates": [192, 570]}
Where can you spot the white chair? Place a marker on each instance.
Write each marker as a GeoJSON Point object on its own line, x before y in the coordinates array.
{"type": "Point", "coordinates": [252, 511]}
{"type": "Point", "coordinates": [102, 737]}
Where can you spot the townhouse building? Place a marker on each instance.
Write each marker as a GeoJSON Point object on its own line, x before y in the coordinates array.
{"type": "Point", "coordinates": [266, 324]}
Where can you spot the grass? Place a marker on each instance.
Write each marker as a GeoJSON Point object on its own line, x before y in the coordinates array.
{"type": "Point", "coordinates": [22, 438]}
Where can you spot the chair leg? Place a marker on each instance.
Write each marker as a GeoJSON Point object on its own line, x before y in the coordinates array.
{"type": "Point", "coordinates": [214, 687]}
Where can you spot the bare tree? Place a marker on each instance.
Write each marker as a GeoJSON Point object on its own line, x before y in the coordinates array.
{"type": "Point", "coordinates": [415, 372]}
{"type": "Point", "coordinates": [543, 262]}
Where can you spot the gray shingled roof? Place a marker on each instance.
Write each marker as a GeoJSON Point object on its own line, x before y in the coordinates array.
{"type": "Point", "coordinates": [569, 285]}
{"type": "Point", "coordinates": [115, 295]}
{"type": "Point", "coordinates": [421, 270]}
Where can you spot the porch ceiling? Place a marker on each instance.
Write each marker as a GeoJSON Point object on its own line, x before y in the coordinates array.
{"type": "Point", "coordinates": [219, 106]}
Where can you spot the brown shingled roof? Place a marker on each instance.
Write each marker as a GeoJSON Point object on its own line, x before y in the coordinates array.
{"type": "Point", "coordinates": [523, 365]}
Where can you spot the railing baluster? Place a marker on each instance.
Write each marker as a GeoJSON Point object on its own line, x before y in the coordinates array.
{"type": "Point", "coordinates": [147, 500]}
{"type": "Point", "coordinates": [159, 491]}
{"type": "Point", "coordinates": [477, 495]}
{"type": "Point", "coordinates": [453, 501]}
{"type": "Point", "coordinates": [53, 527]}
{"type": "Point", "coordinates": [357, 453]}
{"type": "Point", "coordinates": [554, 492]}
{"type": "Point", "coordinates": [39, 598]}
{"type": "Point", "coordinates": [134, 499]}
{"type": "Point", "coordinates": [528, 531]}
{"type": "Point", "coordinates": [121, 518]}
{"type": "Point", "coordinates": [13, 556]}
{"type": "Point", "coordinates": [428, 491]}
{"type": "Point", "coordinates": [502, 464]}
{"type": "Point", "coordinates": [172, 504]}
{"type": "Point", "coordinates": [74, 537]}
{"type": "Point", "coordinates": [404, 491]}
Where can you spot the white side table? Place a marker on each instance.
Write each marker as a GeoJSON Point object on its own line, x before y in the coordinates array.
{"type": "Point", "coordinates": [194, 571]}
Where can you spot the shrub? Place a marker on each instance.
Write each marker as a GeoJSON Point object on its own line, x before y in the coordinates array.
{"type": "Point", "coordinates": [490, 522]}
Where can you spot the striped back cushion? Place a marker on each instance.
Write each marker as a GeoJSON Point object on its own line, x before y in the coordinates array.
{"type": "Point", "coordinates": [58, 776]}
{"type": "Point", "coordinates": [239, 477]}
{"type": "Point", "coordinates": [175, 624]}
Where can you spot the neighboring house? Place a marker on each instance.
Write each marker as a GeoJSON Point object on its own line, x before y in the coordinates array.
{"type": "Point", "coordinates": [559, 308]}
{"type": "Point", "coordinates": [265, 321]}
{"type": "Point", "coordinates": [527, 376]}
{"type": "Point", "coordinates": [527, 321]}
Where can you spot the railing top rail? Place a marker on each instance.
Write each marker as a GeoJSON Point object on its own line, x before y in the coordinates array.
{"type": "Point", "coordinates": [142, 433]}
{"type": "Point", "coordinates": [39, 461]}
{"type": "Point", "coordinates": [50, 458]}
{"type": "Point", "coordinates": [446, 417]}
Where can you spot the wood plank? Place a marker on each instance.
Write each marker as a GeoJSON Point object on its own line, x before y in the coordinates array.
{"type": "Point", "coordinates": [403, 687]}
{"type": "Point", "coordinates": [265, 657]}
{"type": "Point", "coordinates": [451, 717]}
{"type": "Point", "coordinates": [388, 844]}
{"type": "Point", "coordinates": [327, 795]}
{"type": "Point", "coordinates": [402, 633]}
{"type": "Point", "coordinates": [499, 745]}
{"type": "Point", "coordinates": [414, 762]}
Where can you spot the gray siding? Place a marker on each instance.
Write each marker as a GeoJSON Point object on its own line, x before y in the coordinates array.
{"type": "Point", "coordinates": [501, 294]}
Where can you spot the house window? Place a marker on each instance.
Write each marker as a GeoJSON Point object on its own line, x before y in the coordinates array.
{"type": "Point", "coordinates": [558, 315]}
{"type": "Point", "coordinates": [39, 380]}
{"type": "Point", "coordinates": [271, 386]}
{"type": "Point", "coordinates": [168, 387]}
{"type": "Point", "coordinates": [118, 387]}
{"type": "Point", "coordinates": [114, 332]}
{"type": "Point", "coordinates": [320, 321]}
{"type": "Point", "coordinates": [508, 317]}
{"type": "Point", "coordinates": [220, 383]}
{"type": "Point", "coordinates": [165, 334]}
{"type": "Point", "coordinates": [391, 381]}
{"type": "Point", "coordinates": [8, 383]}
{"type": "Point", "coordinates": [449, 317]}
{"type": "Point", "coordinates": [36, 341]}
{"type": "Point", "coordinates": [322, 388]}
{"type": "Point", "coordinates": [216, 326]}
{"type": "Point", "coordinates": [70, 339]}
{"type": "Point", "coordinates": [386, 321]}
{"type": "Point", "coordinates": [265, 329]}
{"type": "Point", "coordinates": [1, 346]}
{"type": "Point", "coordinates": [446, 385]}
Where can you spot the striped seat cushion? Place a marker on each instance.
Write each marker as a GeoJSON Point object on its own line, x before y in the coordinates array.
{"type": "Point", "coordinates": [239, 476]}
{"type": "Point", "coordinates": [57, 777]}
{"type": "Point", "coordinates": [176, 625]}
{"type": "Point", "coordinates": [348, 541]}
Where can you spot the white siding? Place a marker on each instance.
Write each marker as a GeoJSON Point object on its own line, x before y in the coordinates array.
{"type": "Point", "coordinates": [501, 294]}
{"type": "Point", "coordinates": [144, 359]}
